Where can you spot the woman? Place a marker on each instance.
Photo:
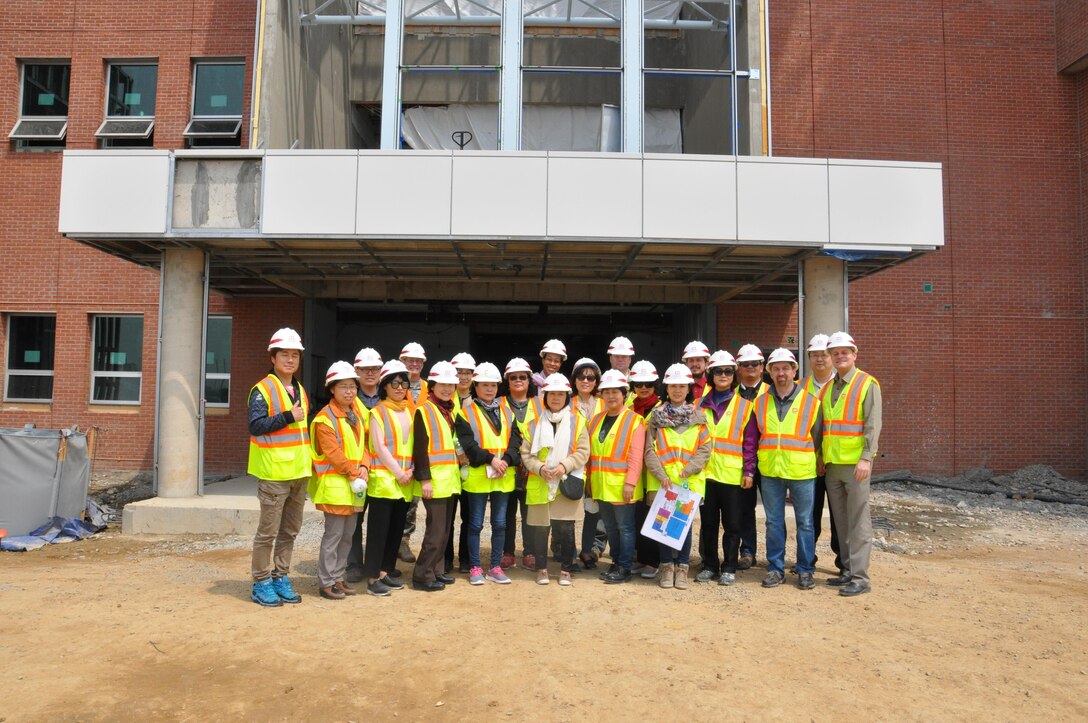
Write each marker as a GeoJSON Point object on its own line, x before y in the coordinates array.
{"type": "Point", "coordinates": [616, 442]}
{"type": "Point", "coordinates": [677, 450]}
{"type": "Point", "coordinates": [643, 379]}
{"type": "Point", "coordinates": [338, 485]}
{"type": "Point", "coordinates": [465, 366]}
{"type": "Point", "coordinates": [390, 486]}
{"type": "Point", "coordinates": [587, 375]}
{"type": "Point", "coordinates": [489, 437]}
{"type": "Point", "coordinates": [437, 475]}
{"type": "Point", "coordinates": [554, 448]}
{"type": "Point", "coordinates": [519, 396]}
{"type": "Point", "coordinates": [726, 416]}
{"type": "Point", "coordinates": [552, 356]}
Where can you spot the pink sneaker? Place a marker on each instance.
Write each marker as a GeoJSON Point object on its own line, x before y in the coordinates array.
{"type": "Point", "coordinates": [476, 576]}
{"type": "Point", "coordinates": [496, 574]}
{"type": "Point", "coordinates": [507, 560]}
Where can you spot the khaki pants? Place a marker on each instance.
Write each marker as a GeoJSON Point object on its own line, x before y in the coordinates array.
{"type": "Point", "coordinates": [281, 519]}
{"type": "Point", "coordinates": [849, 500]}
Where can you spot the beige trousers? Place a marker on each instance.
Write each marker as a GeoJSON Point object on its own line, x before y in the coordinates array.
{"type": "Point", "coordinates": [281, 519]}
{"type": "Point", "coordinates": [849, 500]}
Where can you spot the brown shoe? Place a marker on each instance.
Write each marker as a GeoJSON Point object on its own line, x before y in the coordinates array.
{"type": "Point", "coordinates": [345, 588]}
{"type": "Point", "coordinates": [332, 592]}
{"type": "Point", "coordinates": [745, 562]}
{"type": "Point", "coordinates": [681, 577]}
{"type": "Point", "coordinates": [666, 575]}
{"type": "Point", "coordinates": [405, 552]}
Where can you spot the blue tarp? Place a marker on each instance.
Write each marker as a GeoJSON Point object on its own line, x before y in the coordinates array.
{"type": "Point", "coordinates": [59, 530]}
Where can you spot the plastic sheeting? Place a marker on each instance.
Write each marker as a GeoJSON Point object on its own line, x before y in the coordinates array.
{"type": "Point", "coordinates": [543, 128]}
{"type": "Point", "coordinates": [58, 530]}
{"type": "Point", "coordinates": [44, 474]}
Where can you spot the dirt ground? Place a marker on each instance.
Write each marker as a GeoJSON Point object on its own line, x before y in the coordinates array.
{"type": "Point", "coordinates": [977, 612]}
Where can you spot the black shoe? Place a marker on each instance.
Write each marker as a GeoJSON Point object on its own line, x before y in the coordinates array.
{"type": "Point", "coordinates": [572, 569]}
{"type": "Point", "coordinates": [377, 589]}
{"type": "Point", "coordinates": [391, 584]}
{"type": "Point", "coordinates": [621, 574]}
{"type": "Point", "coordinates": [395, 574]}
{"type": "Point", "coordinates": [854, 588]}
{"type": "Point", "coordinates": [611, 569]}
{"type": "Point", "coordinates": [839, 581]}
{"type": "Point", "coordinates": [773, 579]}
{"type": "Point", "coordinates": [427, 585]}
{"type": "Point", "coordinates": [445, 579]}
{"type": "Point", "coordinates": [805, 581]}
{"type": "Point", "coordinates": [355, 573]}
{"type": "Point", "coordinates": [745, 562]}
{"type": "Point", "coordinates": [464, 568]}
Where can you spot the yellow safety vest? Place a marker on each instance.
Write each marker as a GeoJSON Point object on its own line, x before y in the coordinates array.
{"type": "Point", "coordinates": [533, 409]}
{"type": "Point", "coordinates": [536, 488]}
{"type": "Point", "coordinates": [285, 454]}
{"type": "Point", "coordinates": [598, 407]}
{"type": "Point", "coordinates": [786, 449]}
{"type": "Point", "coordinates": [382, 483]}
{"type": "Point", "coordinates": [809, 385]}
{"type": "Point", "coordinates": [649, 482]}
{"type": "Point", "coordinates": [327, 486]}
{"type": "Point", "coordinates": [492, 441]}
{"type": "Point", "coordinates": [676, 450]}
{"type": "Point", "coordinates": [363, 413]}
{"type": "Point", "coordinates": [726, 463]}
{"type": "Point", "coordinates": [607, 466]}
{"type": "Point", "coordinates": [445, 472]}
{"type": "Point", "coordinates": [844, 422]}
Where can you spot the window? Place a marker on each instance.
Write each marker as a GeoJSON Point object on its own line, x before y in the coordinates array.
{"type": "Point", "coordinates": [29, 372]}
{"type": "Point", "coordinates": [217, 105]}
{"type": "Point", "coordinates": [130, 105]}
{"type": "Point", "coordinates": [117, 361]}
{"type": "Point", "coordinates": [43, 107]}
{"type": "Point", "coordinates": [217, 362]}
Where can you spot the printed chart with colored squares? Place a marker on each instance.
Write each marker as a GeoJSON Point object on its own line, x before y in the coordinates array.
{"type": "Point", "coordinates": [671, 515]}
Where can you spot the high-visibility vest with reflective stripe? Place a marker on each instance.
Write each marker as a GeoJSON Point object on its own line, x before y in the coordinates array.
{"type": "Point", "coordinates": [649, 482]}
{"type": "Point", "coordinates": [726, 463]}
{"type": "Point", "coordinates": [786, 449]}
{"type": "Point", "coordinates": [284, 454]}
{"type": "Point", "coordinates": [809, 385]}
{"type": "Point", "coordinates": [363, 414]}
{"type": "Point", "coordinates": [445, 472]}
{"type": "Point", "coordinates": [327, 486]}
{"type": "Point", "coordinates": [607, 466]}
{"type": "Point", "coordinates": [494, 442]}
{"type": "Point", "coordinates": [598, 407]}
{"type": "Point", "coordinates": [536, 488]}
{"type": "Point", "coordinates": [676, 450]}
{"type": "Point", "coordinates": [382, 483]}
{"type": "Point", "coordinates": [533, 410]}
{"type": "Point", "coordinates": [844, 421]}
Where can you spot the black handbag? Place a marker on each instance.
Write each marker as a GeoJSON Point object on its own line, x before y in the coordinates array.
{"type": "Point", "coordinates": [573, 488]}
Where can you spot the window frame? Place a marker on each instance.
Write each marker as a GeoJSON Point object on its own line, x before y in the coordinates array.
{"type": "Point", "coordinates": [8, 372]}
{"type": "Point", "coordinates": [58, 140]}
{"type": "Point", "coordinates": [138, 139]}
{"type": "Point", "coordinates": [217, 375]}
{"type": "Point", "coordinates": [95, 374]}
{"type": "Point", "coordinates": [201, 138]}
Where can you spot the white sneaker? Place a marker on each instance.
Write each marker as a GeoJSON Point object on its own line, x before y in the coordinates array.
{"type": "Point", "coordinates": [542, 577]}
{"type": "Point", "coordinates": [727, 578]}
{"type": "Point", "coordinates": [564, 578]}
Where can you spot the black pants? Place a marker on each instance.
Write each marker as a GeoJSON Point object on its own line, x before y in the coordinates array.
{"type": "Point", "coordinates": [721, 506]}
{"type": "Point", "coordinates": [647, 551]}
{"type": "Point", "coordinates": [462, 537]}
{"type": "Point", "coordinates": [594, 536]}
{"type": "Point", "coordinates": [537, 543]}
{"type": "Point", "coordinates": [384, 525]}
{"type": "Point", "coordinates": [817, 516]}
{"type": "Point", "coordinates": [748, 536]}
{"type": "Point", "coordinates": [513, 502]}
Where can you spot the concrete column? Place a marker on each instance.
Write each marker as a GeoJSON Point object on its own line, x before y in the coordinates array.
{"type": "Point", "coordinates": [826, 302]}
{"type": "Point", "coordinates": [180, 373]}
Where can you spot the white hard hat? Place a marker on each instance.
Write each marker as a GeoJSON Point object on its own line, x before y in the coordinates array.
{"type": "Point", "coordinates": [368, 357]}
{"type": "Point", "coordinates": [556, 383]}
{"type": "Point", "coordinates": [817, 343]}
{"type": "Point", "coordinates": [749, 352]}
{"type": "Point", "coordinates": [643, 371]}
{"type": "Point", "coordinates": [586, 362]}
{"type": "Point", "coordinates": [463, 360]}
{"type": "Point", "coordinates": [517, 364]}
{"type": "Point", "coordinates": [721, 358]}
{"type": "Point", "coordinates": [622, 346]}
{"type": "Point", "coordinates": [286, 338]}
{"type": "Point", "coordinates": [781, 355]}
{"type": "Point", "coordinates": [391, 367]}
{"type": "Point", "coordinates": [841, 338]}
{"type": "Point", "coordinates": [678, 374]}
{"type": "Point", "coordinates": [340, 370]}
{"type": "Point", "coordinates": [443, 373]}
{"type": "Point", "coordinates": [554, 346]}
{"type": "Point", "coordinates": [613, 379]}
{"type": "Point", "coordinates": [695, 349]}
{"type": "Point", "coordinates": [413, 351]}
{"type": "Point", "coordinates": [486, 372]}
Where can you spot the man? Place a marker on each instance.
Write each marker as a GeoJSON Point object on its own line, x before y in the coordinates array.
{"type": "Point", "coordinates": [413, 357]}
{"type": "Point", "coordinates": [819, 361]}
{"type": "Point", "coordinates": [852, 409]}
{"type": "Point", "coordinates": [552, 356]}
{"type": "Point", "coordinates": [696, 357]}
{"type": "Point", "coordinates": [281, 459]}
{"type": "Point", "coordinates": [465, 366]}
{"type": "Point", "coordinates": [620, 354]}
{"type": "Point", "coordinates": [781, 440]}
{"type": "Point", "coordinates": [750, 374]}
{"type": "Point", "coordinates": [368, 365]}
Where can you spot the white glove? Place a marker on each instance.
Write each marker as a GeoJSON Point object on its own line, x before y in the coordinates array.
{"type": "Point", "coordinates": [358, 485]}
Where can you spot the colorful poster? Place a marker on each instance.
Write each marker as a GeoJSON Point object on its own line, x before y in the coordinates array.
{"type": "Point", "coordinates": [671, 515]}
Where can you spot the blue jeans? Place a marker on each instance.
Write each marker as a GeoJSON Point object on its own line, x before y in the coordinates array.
{"type": "Point", "coordinates": [681, 556]}
{"type": "Point", "coordinates": [774, 504]}
{"type": "Point", "coordinates": [619, 521]}
{"type": "Point", "coordinates": [477, 504]}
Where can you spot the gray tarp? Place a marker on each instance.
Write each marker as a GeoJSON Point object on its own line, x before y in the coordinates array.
{"type": "Point", "coordinates": [44, 473]}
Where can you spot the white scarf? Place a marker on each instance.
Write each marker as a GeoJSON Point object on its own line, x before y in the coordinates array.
{"type": "Point", "coordinates": [553, 433]}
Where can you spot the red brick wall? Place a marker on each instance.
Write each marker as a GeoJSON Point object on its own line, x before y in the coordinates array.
{"type": "Point", "coordinates": [768, 326]}
{"type": "Point", "coordinates": [1071, 32]}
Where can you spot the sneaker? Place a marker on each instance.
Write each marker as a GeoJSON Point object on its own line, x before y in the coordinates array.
{"type": "Point", "coordinates": [745, 562]}
{"type": "Point", "coordinates": [542, 577]}
{"type": "Point", "coordinates": [610, 570]}
{"type": "Point", "coordinates": [508, 561]}
{"type": "Point", "coordinates": [727, 578]}
{"type": "Point", "coordinates": [476, 576]}
{"type": "Point", "coordinates": [773, 579]}
{"type": "Point", "coordinates": [264, 594]}
{"type": "Point", "coordinates": [564, 578]}
{"type": "Point", "coordinates": [282, 586]}
{"type": "Point", "coordinates": [528, 562]}
{"type": "Point", "coordinates": [680, 578]}
{"type": "Point", "coordinates": [621, 574]}
{"type": "Point", "coordinates": [648, 572]}
{"type": "Point", "coordinates": [705, 576]}
{"type": "Point", "coordinates": [378, 589]}
{"type": "Point", "coordinates": [391, 583]}
{"type": "Point", "coordinates": [496, 574]}
{"type": "Point", "coordinates": [805, 581]}
{"type": "Point", "coordinates": [668, 575]}
{"type": "Point", "coordinates": [637, 568]}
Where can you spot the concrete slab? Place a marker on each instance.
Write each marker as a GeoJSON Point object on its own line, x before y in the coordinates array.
{"type": "Point", "coordinates": [226, 508]}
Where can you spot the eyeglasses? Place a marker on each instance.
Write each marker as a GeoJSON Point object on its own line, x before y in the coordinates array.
{"type": "Point", "coordinates": [518, 378]}
{"type": "Point", "coordinates": [722, 371]}
{"type": "Point", "coordinates": [642, 385]}
{"type": "Point", "coordinates": [399, 385]}
{"type": "Point", "coordinates": [586, 378]}
{"type": "Point", "coordinates": [751, 365]}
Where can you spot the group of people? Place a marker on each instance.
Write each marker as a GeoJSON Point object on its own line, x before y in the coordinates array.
{"type": "Point", "coordinates": [597, 445]}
